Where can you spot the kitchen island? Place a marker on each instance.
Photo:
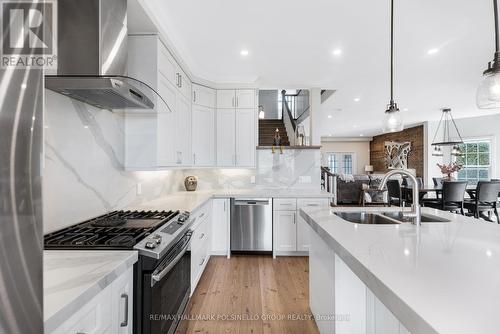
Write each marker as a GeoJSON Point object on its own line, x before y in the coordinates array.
{"type": "Point", "coordinates": [395, 278]}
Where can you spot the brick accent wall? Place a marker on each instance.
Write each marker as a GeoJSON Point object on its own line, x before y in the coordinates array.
{"type": "Point", "coordinates": [414, 135]}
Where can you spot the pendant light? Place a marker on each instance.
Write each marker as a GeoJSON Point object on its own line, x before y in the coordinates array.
{"type": "Point", "coordinates": [392, 119]}
{"type": "Point", "coordinates": [451, 135]}
{"type": "Point", "coordinates": [488, 93]}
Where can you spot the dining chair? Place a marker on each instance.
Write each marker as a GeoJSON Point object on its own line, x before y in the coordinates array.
{"type": "Point", "coordinates": [486, 199]}
{"type": "Point", "coordinates": [437, 181]}
{"type": "Point", "coordinates": [394, 193]}
{"type": "Point", "coordinates": [407, 182]}
{"type": "Point", "coordinates": [452, 198]}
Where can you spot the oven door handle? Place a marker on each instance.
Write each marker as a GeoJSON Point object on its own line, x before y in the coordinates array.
{"type": "Point", "coordinates": [158, 277]}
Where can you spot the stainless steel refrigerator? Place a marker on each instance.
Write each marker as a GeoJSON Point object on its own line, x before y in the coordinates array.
{"type": "Point", "coordinates": [21, 230]}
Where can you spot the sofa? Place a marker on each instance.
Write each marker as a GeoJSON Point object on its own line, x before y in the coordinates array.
{"type": "Point", "coordinates": [349, 189]}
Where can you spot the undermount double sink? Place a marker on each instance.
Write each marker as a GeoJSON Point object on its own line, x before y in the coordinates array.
{"type": "Point", "coordinates": [383, 218]}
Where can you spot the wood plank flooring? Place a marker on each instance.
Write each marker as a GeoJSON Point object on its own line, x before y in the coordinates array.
{"type": "Point", "coordinates": [251, 294]}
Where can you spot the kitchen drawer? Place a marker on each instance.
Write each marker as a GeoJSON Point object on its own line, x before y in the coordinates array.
{"type": "Point", "coordinates": [201, 214]}
{"type": "Point", "coordinates": [93, 318]}
{"type": "Point", "coordinates": [200, 236]}
{"type": "Point", "coordinates": [280, 204]}
{"type": "Point", "coordinates": [308, 202]}
{"type": "Point", "coordinates": [199, 259]}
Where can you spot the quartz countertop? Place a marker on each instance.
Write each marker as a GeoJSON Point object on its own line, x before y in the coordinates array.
{"type": "Point", "coordinates": [73, 278]}
{"type": "Point", "coordinates": [192, 200]}
{"type": "Point", "coordinates": [441, 278]}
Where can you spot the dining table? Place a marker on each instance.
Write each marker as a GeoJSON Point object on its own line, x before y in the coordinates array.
{"type": "Point", "coordinates": [437, 189]}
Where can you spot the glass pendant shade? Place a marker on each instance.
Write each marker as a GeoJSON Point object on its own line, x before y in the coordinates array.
{"type": "Point", "coordinates": [488, 93]}
{"type": "Point", "coordinates": [437, 152]}
{"type": "Point", "coordinates": [455, 151]}
{"type": "Point", "coordinates": [393, 122]}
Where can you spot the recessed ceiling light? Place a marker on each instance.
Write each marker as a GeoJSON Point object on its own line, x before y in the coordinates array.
{"type": "Point", "coordinates": [244, 52]}
{"type": "Point", "coordinates": [330, 135]}
{"type": "Point", "coordinates": [337, 52]}
{"type": "Point", "coordinates": [357, 99]}
{"type": "Point", "coordinates": [23, 86]}
{"type": "Point", "coordinates": [330, 116]}
{"type": "Point", "coordinates": [361, 135]}
{"type": "Point", "coordinates": [405, 109]}
{"type": "Point", "coordinates": [432, 51]}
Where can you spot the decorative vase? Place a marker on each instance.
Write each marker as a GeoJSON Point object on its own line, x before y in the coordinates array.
{"type": "Point", "coordinates": [448, 177]}
{"type": "Point", "coordinates": [190, 183]}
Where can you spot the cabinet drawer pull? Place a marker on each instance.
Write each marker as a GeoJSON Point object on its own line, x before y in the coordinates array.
{"type": "Point", "coordinates": [202, 261]}
{"type": "Point", "coordinates": [202, 215]}
{"type": "Point", "coordinates": [125, 321]}
{"type": "Point", "coordinates": [194, 96]}
{"type": "Point", "coordinates": [312, 205]}
{"type": "Point", "coordinates": [202, 235]}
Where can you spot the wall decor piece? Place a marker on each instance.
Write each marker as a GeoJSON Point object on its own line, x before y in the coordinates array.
{"type": "Point", "coordinates": [396, 154]}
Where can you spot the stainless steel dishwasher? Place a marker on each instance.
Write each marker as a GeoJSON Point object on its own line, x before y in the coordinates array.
{"type": "Point", "coordinates": [251, 225]}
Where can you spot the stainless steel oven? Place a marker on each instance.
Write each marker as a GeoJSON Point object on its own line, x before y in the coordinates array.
{"type": "Point", "coordinates": [165, 288]}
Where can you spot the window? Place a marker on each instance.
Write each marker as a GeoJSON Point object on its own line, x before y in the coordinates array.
{"type": "Point", "coordinates": [342, 163]}
{"type": "Point", "coordinates": [476, 161]}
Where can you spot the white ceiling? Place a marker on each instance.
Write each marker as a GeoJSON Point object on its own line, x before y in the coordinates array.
{"type": "Point", "coordinates": [290, 44]}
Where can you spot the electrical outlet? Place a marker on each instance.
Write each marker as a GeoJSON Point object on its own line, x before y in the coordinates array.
{"type": "Point", "coordinates": [139, 188]}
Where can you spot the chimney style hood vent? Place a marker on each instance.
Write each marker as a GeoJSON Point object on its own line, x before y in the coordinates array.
{"type": "Point", "coordinates": [92, 57]}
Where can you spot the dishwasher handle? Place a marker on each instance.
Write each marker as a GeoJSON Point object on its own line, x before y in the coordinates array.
{"type": "Point", "coordinates": [251, 202]}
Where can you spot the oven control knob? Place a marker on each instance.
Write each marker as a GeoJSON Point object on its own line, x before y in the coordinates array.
{"type": "Point", "coordinates": [157, 238]}
{"type": "Point", "coordinates": [150, 245]}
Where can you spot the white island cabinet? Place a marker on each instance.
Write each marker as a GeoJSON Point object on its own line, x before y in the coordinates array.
{"type": "Point", "coordinates": [94, 295]}
{"type": "Point", "coordinates": [399, 278]}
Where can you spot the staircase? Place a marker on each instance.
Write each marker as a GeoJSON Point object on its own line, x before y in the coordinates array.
{"type": "Point", "coordinates": [267, 127]}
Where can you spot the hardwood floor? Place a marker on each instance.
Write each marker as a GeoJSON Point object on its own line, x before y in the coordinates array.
{"type": "Point", "coordinates": [251, 294]}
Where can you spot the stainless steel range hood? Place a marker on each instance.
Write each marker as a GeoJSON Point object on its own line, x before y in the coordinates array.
{"type": "Point", "coordinates": [92, 57]}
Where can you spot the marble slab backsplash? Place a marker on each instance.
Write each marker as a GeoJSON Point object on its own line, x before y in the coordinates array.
{"type": "Point", "coordinates": [83, 174]}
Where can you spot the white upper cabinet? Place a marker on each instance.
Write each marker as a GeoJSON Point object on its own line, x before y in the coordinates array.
{"type": "Point", "coordinates": [203, 135]}
{"type": "Point", "coordinates": [161, 139]}
{"type": "Point", "coordinates": [236, 127]}
{"type": "Point", "coordinates": [183, 83]}
{"type": "Point", "coordinates": [167, 65]}
{"type": "Point", "coordinates": [183, 132]}
{"type": "Point", "coordinates": [226, 148]}
{"type": "Point", "coordinates": [239, 98]}
{"type": "Point", "coordinates": [226, 98]}
{"type": "Point", "coordinates": [245, 98]}
{"type": "Point", "coordinates": [203, 96]}
{"type": "Point", "coordinates": [166, 125]}
{"type": "Point", "coordinates": [245, 137]}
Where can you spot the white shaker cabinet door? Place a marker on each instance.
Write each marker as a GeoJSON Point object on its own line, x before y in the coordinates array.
{"type": "Point", "coordinates": [122, 303]}
{"type": "Point", "coordinates": [203, 134]}
{"type": "Point", "coordinates": [245, 138]}
{"type": "Point", "coordinates": [245, 98]}
{"type": "Point", "coordinates": [203, 96]}
{"type": "Point", "coordinates": [166, 123]}
{"type": "Point", "coordinates": [285, 231]}
{"type": "Point", "coordinates": [225, 137]}
{"type": "Point", "coordinates": [183, 131]}
{"type": "Point", "coordinates": [226, 98]}
{"type": "Point", "coordinates": [220, 227]}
